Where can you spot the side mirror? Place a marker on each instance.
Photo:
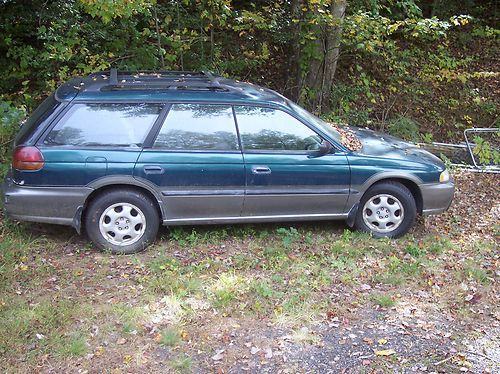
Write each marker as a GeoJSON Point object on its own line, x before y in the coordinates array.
{"type": "Point", "coordinates": [324, 148]}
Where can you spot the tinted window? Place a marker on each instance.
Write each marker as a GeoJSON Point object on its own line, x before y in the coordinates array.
{"type": "Point", "coordinates": [104, 124]}
{"type": "Point", "coordinates": [198, 127]}
{"type": "Point", "coordinates": [271, 129]}
{"type": "Point", "coordinates": [44, 110]}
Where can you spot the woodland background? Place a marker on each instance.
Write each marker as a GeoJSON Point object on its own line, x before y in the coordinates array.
{"type": "Point", "coordinates": [421, 70]}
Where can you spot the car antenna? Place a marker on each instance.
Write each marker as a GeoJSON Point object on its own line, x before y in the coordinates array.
{"type": "Point", "coordinates": [113, 77]}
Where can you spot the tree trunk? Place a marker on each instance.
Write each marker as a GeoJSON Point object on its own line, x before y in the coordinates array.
{"type": "Point", "coordinates": [293, 74]}
{"type": "Point", "coordinates": [321, 70]}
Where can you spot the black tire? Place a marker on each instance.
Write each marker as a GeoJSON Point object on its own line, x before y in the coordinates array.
{"type": "Point", "coordinates": [397, 191]}
{"type": "Point", "coordinates": [138, 205]}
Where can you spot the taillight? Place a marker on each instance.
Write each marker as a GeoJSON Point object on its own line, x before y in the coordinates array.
{"type": "Point", "coordinates": [27, 158]}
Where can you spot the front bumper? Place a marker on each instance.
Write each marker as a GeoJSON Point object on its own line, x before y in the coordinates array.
{"type": "Point", "coordinates": [436, 197]}
{"type": "Point", "coordinates": [58, 205]}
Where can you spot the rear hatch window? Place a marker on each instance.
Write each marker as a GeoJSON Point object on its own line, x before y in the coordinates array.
{"type": "Point", "coordinates": [44, 110]}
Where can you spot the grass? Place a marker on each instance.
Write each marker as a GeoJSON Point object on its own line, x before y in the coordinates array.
{"type": "Point", "coordinates": [182, 363]}
{"type": "Point", "coordinates": [383, 300]}
{"type": "Point", "coordinates": [288, 276]}
{"type": "Point", "coordinates": [473, 271]}
{"type": "Point", "coordinates": [170, 337]}
{"type": "Point", "coordinates": [71, 346]}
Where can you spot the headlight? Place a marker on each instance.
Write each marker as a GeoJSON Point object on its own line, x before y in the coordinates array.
{"type": "Point", "coordinates": [444, 176]}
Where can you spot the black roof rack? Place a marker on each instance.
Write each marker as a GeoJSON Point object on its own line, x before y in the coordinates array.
{"type": "Point", "coordinates": [159, 80]}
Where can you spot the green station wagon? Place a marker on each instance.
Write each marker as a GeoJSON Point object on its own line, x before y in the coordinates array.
{"type": "Point", "coordinates": [119, 153]}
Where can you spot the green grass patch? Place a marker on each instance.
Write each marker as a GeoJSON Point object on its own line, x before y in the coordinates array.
{"type": "Point", "coordinates": [182, 363]}
{"type": "Point", "coordinates": [43, 326]}
{"type": "Point", "coordinates": [383, 300]}
{"type": "Point", "coordinates": [170, 337]}
{"type": "Point", "coordinates": [73, 345]}
{"type": "Point", "coordinates": [474, 271]}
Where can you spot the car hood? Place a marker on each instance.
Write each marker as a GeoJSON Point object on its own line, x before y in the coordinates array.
{"type": "Point", "coordinates": [377, 144]}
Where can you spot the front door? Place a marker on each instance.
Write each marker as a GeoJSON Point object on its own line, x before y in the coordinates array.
{"type": "Point", "coordinates": [196, 163]}
{"type": "Point", "coordinates": [282, 179]}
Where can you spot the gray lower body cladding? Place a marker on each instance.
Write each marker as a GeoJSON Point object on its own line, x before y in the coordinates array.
{"type": "Point", "coordinates": [63, 205]}
{"type": "Point", "coordinates": [58, 205]}
{"type": "Point", "coordinates": [436, 197]}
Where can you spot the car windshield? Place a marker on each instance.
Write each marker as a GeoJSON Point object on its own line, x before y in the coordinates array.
{"type": "Point", "coordinates": [328, 128]}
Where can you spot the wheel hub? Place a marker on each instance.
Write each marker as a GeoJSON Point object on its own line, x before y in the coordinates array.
{"type": "Point", "coordinates": [122, 224]}
{"type": "Point", "coordinates": [383, 213]}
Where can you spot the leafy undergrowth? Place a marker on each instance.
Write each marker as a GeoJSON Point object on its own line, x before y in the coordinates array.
{"type": "Point", "coordinates": [262, 298]}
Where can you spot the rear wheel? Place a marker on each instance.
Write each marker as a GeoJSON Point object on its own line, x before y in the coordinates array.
{"type": "Point", "coordinates": [387, 209]}
{"type": "Point", "coordinates": [123, 221]}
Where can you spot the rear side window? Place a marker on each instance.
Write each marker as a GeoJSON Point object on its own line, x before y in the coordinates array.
{"type": "Point", "coordinates": [198, 127]}
{"type": "Point", "coordinates": [44, 110]}
{"type": "Point", "coordinates": [124, 125]}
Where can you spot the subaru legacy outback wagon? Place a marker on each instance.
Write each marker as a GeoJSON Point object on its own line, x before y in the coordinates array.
{"type": "Point", "coordinates": [118, 154]}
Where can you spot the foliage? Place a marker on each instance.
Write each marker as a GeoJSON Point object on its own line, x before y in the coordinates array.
{"type": "Point", "coordinates": [404, 128]}
{"type": "Point", "coordinates": [10, 120]}
{"type": "Point", "coordinates": [487, 154]}
{"type": "Point", "coordinates": [398, 58]}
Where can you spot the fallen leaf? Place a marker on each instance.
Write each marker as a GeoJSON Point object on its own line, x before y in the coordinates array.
{"type": "Point", "coordinates": [382, 341]}
{"type": "Point", "coordinates": [254, 350]}
{"type": "Point", "coordinates": [385, 352]}
{"type": "Point", "coordinates": [269, 353]}
{"type": "Point", "coordinates": [121, 341]}
{"type": "Point", "coordinates": [368, 340]}
{"type": "Point", "coordinates": [218, 356]}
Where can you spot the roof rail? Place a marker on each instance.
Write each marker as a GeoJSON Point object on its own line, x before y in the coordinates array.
{"type": "Point", "coordinates": [158, 80]}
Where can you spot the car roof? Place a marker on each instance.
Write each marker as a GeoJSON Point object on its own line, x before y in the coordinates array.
{"type": "Point", "coordinates": [164, 86]}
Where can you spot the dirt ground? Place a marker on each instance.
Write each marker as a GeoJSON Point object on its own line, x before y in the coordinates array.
{"type": "Point", "coordinates": [300, 298]}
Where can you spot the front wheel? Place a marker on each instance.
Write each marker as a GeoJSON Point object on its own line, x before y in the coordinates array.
{"type": "Point", "coordinates": [387, 209]}
{"type": "Point", "coordinates": [123, 221]}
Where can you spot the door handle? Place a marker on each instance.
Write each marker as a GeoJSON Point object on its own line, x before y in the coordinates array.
{"type": "Point", "coordinates": [261, 170]}
{"type": "Point", "coordinates": [153, 169]}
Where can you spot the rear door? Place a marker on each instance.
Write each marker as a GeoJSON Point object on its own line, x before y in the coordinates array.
{"type": "Point", "coordinates": [196, 163]}
{"type": "Point", "coordinates": [282, 179]}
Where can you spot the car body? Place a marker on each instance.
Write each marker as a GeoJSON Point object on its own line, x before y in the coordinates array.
{"type": "Point", "coordinates": [200, 149]}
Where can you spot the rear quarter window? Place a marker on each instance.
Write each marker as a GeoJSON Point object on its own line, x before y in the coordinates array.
{"type": "Point", "coordinates": [37, 118]}
{"type": "Point", "coordinates": [107, 124]}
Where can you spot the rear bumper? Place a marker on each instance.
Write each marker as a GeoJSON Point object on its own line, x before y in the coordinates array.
{"type": "Point", "coordinates": [58, 205]}
{"type": "Point", "coordinates": [436, 197]}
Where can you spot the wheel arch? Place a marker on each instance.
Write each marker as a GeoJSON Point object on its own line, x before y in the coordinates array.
{"type": "Point", "coordinates": [118, 182]}
{"type": "Point", "coordinates": [411, 182]}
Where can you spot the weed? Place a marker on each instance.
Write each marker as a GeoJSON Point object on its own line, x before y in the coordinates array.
{"type": "Point", "coordinates": [170, 337]}
{"type": "Point", "coordinates": [226, 289]}
{"type": "Point", "coordinates": [288, 236]}
{"type": "Point", "coordinates": [73, 345]}
{"type": "Point", "coordinates": [437, 244]}
{"type": "Point", "coordinates": [414, 250]}
{"type": "Point", "coordinates": [129, 317]}
{"type": "Point", "coordinates": [472, 270]}
{"type": "Point", "coordinates": [383, 300]}
{"type": "Point", "coordinates": [182, 363]}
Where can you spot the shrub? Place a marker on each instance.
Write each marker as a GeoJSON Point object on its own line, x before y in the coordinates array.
{"type": "Point", "coordinates": [404, 128]}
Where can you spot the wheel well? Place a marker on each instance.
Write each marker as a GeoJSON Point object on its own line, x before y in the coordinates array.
{"type": "Point", "coordinates": [412, 186]}
{"type": "Point", "coordinates": [122, 187]}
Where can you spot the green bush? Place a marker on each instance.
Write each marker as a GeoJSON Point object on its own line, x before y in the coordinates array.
{"type": "Point", "coordinates": [10, 120]}
{"type": "Point", "coordinates": [404, 128]}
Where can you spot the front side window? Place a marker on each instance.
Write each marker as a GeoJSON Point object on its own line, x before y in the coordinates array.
{"type": "Point", "coordinates": [273, 130]}
{"type": "Point", "coordinates": [124, 125]}
{"type": "Point", "coordinates": [198, 127]}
